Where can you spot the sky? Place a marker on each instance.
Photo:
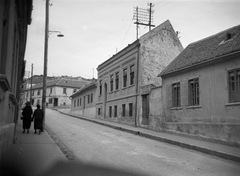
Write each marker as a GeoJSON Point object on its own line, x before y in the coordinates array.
{"type": "Point", "coordinates": [94, 30]}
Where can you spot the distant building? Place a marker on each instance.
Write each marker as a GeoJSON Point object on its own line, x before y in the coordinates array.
{"type": "Point", "coordinates": [15, 16]}
{"type": "Point", "coordinates": [58, 92]}
{"type": "Point", "coordinates": [201, 88]}
{"type": "Point", "coordinates": [83, 102]}
{"type": "Point", "coordinates": [126, 80]}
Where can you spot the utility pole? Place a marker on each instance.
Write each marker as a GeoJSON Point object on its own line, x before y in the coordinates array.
{"type": "Point", "coordinates": [31, 84]}
{"type": "Point", "coordinates": [137, 22]}
{"type": "Point", "coordinates": [150, 15]}
{"type": "Point", "coordinates": [45, 61]}
{"type": "Point", "coordinates": [143, 17]}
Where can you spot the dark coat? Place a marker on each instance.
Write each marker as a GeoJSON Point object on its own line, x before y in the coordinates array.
{"type": "Point", "coordinates": [27, 117]}
{"type": "Point", "coordinates": [38, 119]}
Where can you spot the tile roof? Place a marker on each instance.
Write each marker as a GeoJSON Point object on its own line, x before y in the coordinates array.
{"type": "Point", "coordinates": [205, 50]}
{"type": "Point", "coordinates": [62, 83]}
{"type": "Point", "coordinates": [86, 87]}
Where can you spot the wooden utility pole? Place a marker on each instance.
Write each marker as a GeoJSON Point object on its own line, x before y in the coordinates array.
{"type": "Point", "coordinates": [150, 15]}
{"type": "Point", "coordinates": [45, 61]}
{"type": "Point", "coordinates": [31, 84]}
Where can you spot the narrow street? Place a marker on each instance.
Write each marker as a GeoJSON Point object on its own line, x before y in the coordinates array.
{"type": "Point", "coordinates": [96, 144]}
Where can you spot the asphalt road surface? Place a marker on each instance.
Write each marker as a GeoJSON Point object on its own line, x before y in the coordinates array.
{"type": "Point", "coordinates": [92, 143]}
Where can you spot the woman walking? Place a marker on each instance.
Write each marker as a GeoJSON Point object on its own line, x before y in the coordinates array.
{"type": "Point", "coordinates": [38, 119]}
{"type": "Point", "coordinates": [27, 114]}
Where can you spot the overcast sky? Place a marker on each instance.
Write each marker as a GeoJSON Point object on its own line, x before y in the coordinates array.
{"type": "Point", "coordinates": [95, 29]}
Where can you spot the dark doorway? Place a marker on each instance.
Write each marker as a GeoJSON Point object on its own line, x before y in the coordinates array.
{"type": "Point", "coordinates": [105, 100]}
{"type": "Point", "coordinates": [55, 103]}
{"type": "Point", "coordinates": [84, 102]}
{"type": "Point", "coordinates": [145, 109]}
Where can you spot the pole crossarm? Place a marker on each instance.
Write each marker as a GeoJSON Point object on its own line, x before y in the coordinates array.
{"type": "Point", "coordinates": [146, 24]}
{"type": "Point", "coordinates": [143, 15]}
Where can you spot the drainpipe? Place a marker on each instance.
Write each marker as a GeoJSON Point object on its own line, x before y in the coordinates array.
{"type": "Point", "coordinates": [137, 73]}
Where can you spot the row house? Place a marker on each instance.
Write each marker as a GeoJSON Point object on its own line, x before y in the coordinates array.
{"type": "Point", "coordinates": [201, 88]}
{"type": "Point", "coordinates": [83, 102]}
{"type": "Point", "coordinates": [58, 92]}
{"type": "Point", "coordinates": [126, 80]}
{"type": "Point", "coordinates": [15, 16]}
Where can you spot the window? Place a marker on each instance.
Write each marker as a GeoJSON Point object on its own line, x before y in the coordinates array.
{"type": "Point", "coordinates": [77, 102]}
{"type": "Point", "coordinates": [50, 101]}
{"type": "Point", "coordinates": [123, 110]}
{"type": "Point", "coordinates": [125, 77]}
{"type": "Point", "coordinates": [74, 90]}
{"type": "Point", "coordinates": [80, 101]}
{"type": "Point", "coordinates": [88, 97]}
{"type": "Point", "coordinates": [64, 90]}
{"type": "Point", "coordinates": [111, 82]}
{"type": "Point", "coordinates": [115, 111]}
{"type": "Point", "coordinates": [33, 93]}
{"type": "Point", "coordinates": [50, 90]}
{"type": "Point", "coordinates": [38, 92]}
{"type": "Point", "coordinates": [91, 98]}
{"type": "Point", "coordinates": [99, 111]}
{"type": "Point", "coordinates": [110, 111]}
{"type": "Point", "coordinates": [176, 101]}
{"type": "Point", "coordinates": [130, 109]}
{"type": "Point", "coordinates": [117, 80]}
{"type": "Point", "coordinates": [100, 88]}
{"type": "Point", "coordinates": [193, 87]}
{"type": "Point", "coordinates": [234, 85]}
{"type": "Point", "coordinates": [132, 75]}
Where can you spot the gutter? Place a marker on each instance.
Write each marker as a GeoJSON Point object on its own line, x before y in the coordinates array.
{"type": "Point", "coordinates": [199, 64]}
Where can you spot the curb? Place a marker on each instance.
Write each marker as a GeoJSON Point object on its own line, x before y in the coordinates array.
{"type": "Point", "coordinates": [184, 145]}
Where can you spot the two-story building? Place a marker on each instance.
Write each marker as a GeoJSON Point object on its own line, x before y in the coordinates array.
{"type": "Point", "coordinates": [201, 88]}
{"type": "Point", "coordinates": [125, 81]}
{"type": "Point", "coordinates": [58, 92]}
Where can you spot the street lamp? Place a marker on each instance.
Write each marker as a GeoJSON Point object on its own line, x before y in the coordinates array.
{"type": "Point", "coordinates": [59, 35]}
{"type": "Point", "coordinates": [47, 32]}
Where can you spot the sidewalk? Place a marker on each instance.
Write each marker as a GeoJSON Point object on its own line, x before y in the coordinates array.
{"type": "Point", "coordinates": [216, 149]}
{"type": "Point", "coordinates": [34, 154]}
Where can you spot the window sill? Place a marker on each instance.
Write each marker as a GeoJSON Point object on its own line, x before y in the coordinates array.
{"type": "Point", "coordinates": [176, 108]}
{"type": "Point", "coordinates": [233, 104]}
{"type": "Point", "coordinates": [194, 107]}
{"type": "Point", "coordinates": [127, 87]}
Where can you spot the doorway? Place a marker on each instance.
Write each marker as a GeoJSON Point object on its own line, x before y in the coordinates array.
{"type": "Point", "coordinates": [145, 109]}
{"type": "Point", "coordinates": [55, 103]}
{"type": "Point", "coordinates": [105, 100]}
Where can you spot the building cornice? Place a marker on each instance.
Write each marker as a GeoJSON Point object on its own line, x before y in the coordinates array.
{"type": "Point", "coordinates": [119, 54]}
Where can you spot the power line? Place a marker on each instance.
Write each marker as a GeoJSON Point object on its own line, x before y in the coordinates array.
{"type": "Point", "coordinates": [127, 31]}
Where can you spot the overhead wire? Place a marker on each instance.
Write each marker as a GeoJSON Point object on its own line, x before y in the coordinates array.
{"type": "Point", "coordinates": [127, 32]}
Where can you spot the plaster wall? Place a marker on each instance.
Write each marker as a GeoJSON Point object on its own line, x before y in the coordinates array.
{"type": "Point", "coordinates": [156, 109]}
{"type": "Point", "coordinates": [123, 95]}
{"type": "Point", "coordinates": [84, 108]}
{"type": "Point", "coordinates": [215, 117]}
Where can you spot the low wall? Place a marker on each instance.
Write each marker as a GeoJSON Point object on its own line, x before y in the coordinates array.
{"type": "Point", "coordinates": [227, 133]}
{"type": "Point", "coordinates": [88, 112]}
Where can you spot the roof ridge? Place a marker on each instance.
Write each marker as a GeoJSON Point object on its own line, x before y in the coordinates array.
{"type": "Point", "coordinates": [205, 38]}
